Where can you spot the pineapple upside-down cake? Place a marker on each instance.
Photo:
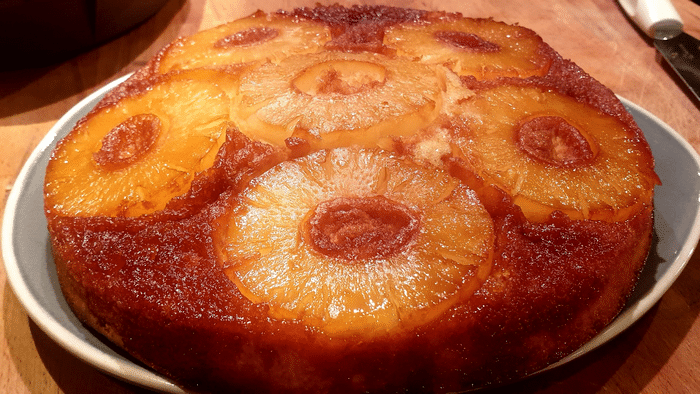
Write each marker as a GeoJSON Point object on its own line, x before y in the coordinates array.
{"type": "Point", "coordinates": [364, 199]}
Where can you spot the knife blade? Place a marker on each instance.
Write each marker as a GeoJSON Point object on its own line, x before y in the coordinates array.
{"type": "Point", "coordinates": [660, 21]}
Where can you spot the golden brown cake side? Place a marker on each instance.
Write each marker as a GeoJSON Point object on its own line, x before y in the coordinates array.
{"type": "Point", "coordinates": [521, 319]}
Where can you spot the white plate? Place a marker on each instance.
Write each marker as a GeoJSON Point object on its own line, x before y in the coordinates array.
{"type": "Point", "coordinates": [30, 269]}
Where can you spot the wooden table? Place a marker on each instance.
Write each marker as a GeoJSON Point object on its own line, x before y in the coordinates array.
{"type": "Point", "coordinates": [660, 353]}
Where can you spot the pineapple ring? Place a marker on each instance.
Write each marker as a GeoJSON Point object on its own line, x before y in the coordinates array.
{"type": "Point", "coordinates": [258, 37]}
{"type": "Point", "coordinates": [357, 242]}
{"type": "Point", "coordinates": [482, 48]}
{"type": "Point", "coordinates": [335, 99]}
{"type": "Point", "coordinates": [131, 158]}
{"type": "Point", "coordinates": [594, 166]}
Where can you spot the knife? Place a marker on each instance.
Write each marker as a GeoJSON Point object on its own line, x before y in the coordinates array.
{"type": "Point", "coordinates": [660, 21]}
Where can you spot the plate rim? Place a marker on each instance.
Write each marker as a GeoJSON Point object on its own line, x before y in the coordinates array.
{"type": "Point", "coordinates": [128, 371]}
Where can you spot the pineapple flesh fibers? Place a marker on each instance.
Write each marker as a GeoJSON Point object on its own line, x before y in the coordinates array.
{"type": "Point", "coordinates": [334, 99]}
{"type": "Point", "coordinates": [358, 242]}
{"type": "Point", "coordinates": [546, 152]}
{"type": "Point", "coordinates": [132, 158]}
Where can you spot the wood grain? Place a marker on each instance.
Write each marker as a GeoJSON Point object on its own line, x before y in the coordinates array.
{"type": "Point", "coordinates": [660, 353]}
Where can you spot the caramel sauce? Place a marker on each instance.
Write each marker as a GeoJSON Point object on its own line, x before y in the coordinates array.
{"type": "Point", "coordinates": [128, 142]}
{"type": "Point", "coordinates": [353, 228]}
{"type": "Point", "coordinates": [555, 141]}
{"type": "Point", "coordinates": [466, 41]}
{"type": "Point", "coordinates": [252, 36]}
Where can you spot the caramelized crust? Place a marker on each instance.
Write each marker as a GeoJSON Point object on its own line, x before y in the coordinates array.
{"type": "Point", "coordinates": [544, 297]}
{"type": "Point", "coordinates": [359, 217]}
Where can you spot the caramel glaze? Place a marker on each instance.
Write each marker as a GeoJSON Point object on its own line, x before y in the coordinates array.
{"type": "Point", "coordinates": [132, 277]}
{"type": "Point", "coordinates": [362, 228]}
{"type": "Point", "coordinates": [553, 140]}
{"type": "Point", "coordinates": [129, 278]}
{"type": "Point", "coordinates": [128, 142]}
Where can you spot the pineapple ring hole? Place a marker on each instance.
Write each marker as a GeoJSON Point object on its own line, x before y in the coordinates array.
{"type": "Point", "coordinates": [248, 37]}
{"type": "Point", "coordinates": [341, 77]}
{"type": "Point", "coordinates": [466, 41]}
{"type": "Point", "coordinates": [553, 140]}
{"type": "Point", "coordinates": [354, 228]}
{"type": "Point", "coordinates": [128, 142]}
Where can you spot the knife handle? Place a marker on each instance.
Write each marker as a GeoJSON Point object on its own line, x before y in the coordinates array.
{"type": "Point", "coordinates": [657, 18]}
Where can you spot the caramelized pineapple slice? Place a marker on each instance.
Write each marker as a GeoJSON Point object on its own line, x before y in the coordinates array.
{"type": "Point", "coordinates": [335, 99]}
{"type": "Point", "coordinates": [259, 37]}
{"type": "Point", "coordinates": [553, 153]}
{"type": "Point", "coordinates": [482, 48]}
{"type": "Point", "coordinates": [357, 242]}
{"type": "Point", "coordinates": [131, 158]}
